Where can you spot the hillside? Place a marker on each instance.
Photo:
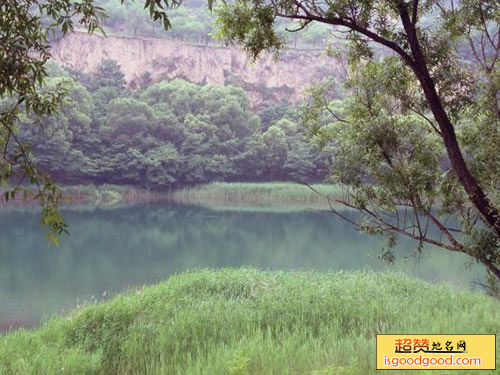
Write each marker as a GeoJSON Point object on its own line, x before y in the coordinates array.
{"type": "Point", "coordinates": [265, 80]}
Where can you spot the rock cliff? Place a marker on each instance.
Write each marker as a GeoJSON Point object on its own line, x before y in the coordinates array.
{"type": "Point", "coordinates": [265, 80]}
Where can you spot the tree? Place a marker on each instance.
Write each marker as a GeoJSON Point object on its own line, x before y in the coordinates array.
{"type": "Point", "coordinates": [53, 141]}
{"type": "Point", "coordinates": [417, 131]}
{"type": "Point", "coordinates": [23, 56]}
{"type": "Point", "coordinates": [109, 74]}
{"type": "Point", "coordinates": [25, 28]}
{"type": "Point", "coordinates": [276, 151]}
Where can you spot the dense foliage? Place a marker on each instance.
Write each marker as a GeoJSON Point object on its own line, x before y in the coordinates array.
{"type": "Point", "coordinates": [415, 139]}
{"type": "Point", "coordinates": [25, 27]}
{"type": "Point", "coordinates": [167, 134]}
{"type": "Point", "coordinates": [418, 128]}
{"type": "Point", "coordinates": [191, 22]}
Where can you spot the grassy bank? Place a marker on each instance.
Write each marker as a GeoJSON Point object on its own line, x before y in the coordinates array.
{"type": "Point", "coordinates": [109, 195]}
{"type": "Point", "coordinates": [93, 195]}
{"type": "Point", "coordinates": [246, 321]}
{"type": "Point", "coordinates": [238, 195]}
{"type": "Point", "coordinates": [282, 196]}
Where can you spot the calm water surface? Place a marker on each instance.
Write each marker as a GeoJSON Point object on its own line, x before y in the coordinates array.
{"type": "Point", "coordinates": [110, 250]}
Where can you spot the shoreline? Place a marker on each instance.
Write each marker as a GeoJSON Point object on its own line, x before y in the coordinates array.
{"type": "Point", "coordinates": [217, 195]}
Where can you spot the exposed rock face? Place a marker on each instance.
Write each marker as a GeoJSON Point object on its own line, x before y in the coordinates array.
{"type": "Point", "coordinates": [169, 59]}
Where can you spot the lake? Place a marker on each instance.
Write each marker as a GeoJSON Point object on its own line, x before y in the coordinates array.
{"type": "Point", "coordinates": [113, 249]}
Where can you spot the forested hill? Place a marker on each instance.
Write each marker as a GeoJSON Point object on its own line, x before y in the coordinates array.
{"type": "Point", "coordinates": [160, 59]}
{"type": "Point", "coordinates": [163, 109]}
{"type": "Point", "coordinates": [166, 134]}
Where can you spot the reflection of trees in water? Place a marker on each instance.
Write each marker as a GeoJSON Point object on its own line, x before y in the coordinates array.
{"type": "Point", "coordinates": [116, 248]}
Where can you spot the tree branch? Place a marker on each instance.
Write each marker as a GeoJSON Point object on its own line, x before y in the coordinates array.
{"type": "Point", "coordinates": [355, 27]}
{"type": "Point", "coordinates": [414, 15]}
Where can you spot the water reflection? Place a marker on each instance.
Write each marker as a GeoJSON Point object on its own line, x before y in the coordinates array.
{"type": "Point", "coordinates": [112, 249]}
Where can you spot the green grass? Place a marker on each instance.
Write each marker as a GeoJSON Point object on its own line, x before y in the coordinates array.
{"type": "Point", "coordinates": [275, 196]}
{"type": "Point", "coordinates": [104, 195]}
{"type": "Point", "coordinates": [244, 321]}
{"type": "Point", "coordinates": [109, 195]}
{"type": "Point", "coordinates": [278, 195]}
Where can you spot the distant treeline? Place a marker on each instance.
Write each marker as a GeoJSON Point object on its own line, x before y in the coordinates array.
{"type": "Point", "coordinates": [166, 134]}
{"type": "Point", "coordinates": [192, 22]}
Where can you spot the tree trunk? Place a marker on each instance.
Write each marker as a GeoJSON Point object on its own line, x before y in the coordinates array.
{"type": "Point", "coordinates": [474, 191]}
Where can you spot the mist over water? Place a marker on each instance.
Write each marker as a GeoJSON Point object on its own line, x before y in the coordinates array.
{"type": "Point", "coordinates": [111, 250]}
